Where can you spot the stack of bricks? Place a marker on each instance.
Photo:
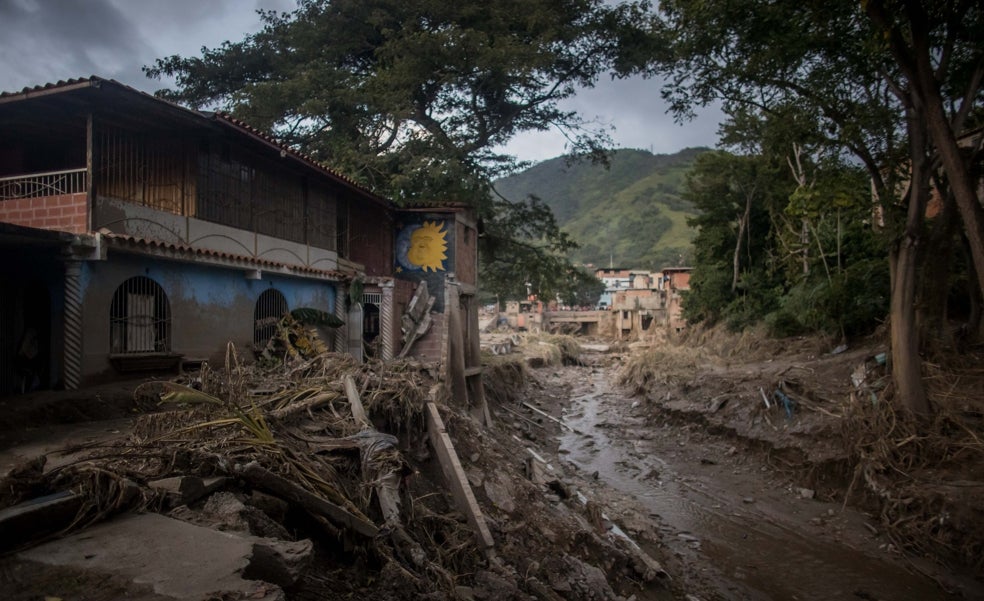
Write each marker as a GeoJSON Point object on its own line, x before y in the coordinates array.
{"type": "Point", "coordinates": [64, 212]}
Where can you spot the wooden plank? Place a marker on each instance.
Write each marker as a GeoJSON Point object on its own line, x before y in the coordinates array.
{"type": "Point", "coordinates": [387, 486]}
{"type": "Point", "coordinates": [456, 478]}
{"type": "Point", "coordinates": [552, 418]}
{"type": "Point", "coordinates": [358, 411]}
{"type": "Point", "coordinates": [255, 475]}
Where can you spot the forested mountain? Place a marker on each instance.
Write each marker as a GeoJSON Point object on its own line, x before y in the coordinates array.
{"type": "Point", "coordinates": [630, 215]}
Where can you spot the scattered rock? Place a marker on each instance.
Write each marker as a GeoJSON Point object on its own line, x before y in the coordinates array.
{"type": "Point", "coordinates": [748, 500]}
{"type": "Point", "coordinates": [499, 493]}
{"type": "Point", "coordinates": [806, 493]}
{"type": "Point", "coordinates": [224, 511]}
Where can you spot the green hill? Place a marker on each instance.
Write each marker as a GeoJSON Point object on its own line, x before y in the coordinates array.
{"type": "Point", "coordinates": [631, 214]}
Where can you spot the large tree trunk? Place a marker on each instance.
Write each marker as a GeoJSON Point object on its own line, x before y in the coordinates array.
{"type": "Point", "coordinates": [960, 180]}
{"type": "Point", "coordinates": [934, 285]}
{"type": "Point", "coordinates": [906, 362]}
{"type": "Point", "coordinates": [914, 52]}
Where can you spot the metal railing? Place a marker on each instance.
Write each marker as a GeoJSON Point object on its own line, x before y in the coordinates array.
{"type": "Point", "coordinates": [51, 183]}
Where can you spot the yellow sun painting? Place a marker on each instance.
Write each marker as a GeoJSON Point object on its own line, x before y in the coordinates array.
{"type": "Point", "coordinates": [428, 246]}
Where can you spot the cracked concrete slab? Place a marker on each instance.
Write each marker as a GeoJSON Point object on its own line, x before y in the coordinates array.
{"type": "Point", "coordinates": [175, 558]}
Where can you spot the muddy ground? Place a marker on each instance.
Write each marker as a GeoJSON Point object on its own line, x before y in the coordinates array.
{"type": "Point", "coordinates": [618, 472]}
{"type": "Point", "coordinates": [737, 500]}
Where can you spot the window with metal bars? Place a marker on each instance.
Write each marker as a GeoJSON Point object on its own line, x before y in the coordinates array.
{"type": "Point", "coordinates": [140, 318]}
{"type": "Point", "coordinates": [270, 309]}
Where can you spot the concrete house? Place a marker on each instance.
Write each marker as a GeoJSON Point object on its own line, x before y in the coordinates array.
{"type": "Point", "coordinates": [136, 234]}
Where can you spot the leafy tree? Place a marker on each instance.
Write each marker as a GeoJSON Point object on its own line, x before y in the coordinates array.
{"type": "Point", "coordinates": [734, 277]}
{"type": "Point", "coordinates": [413, 97]}
{"type": "Point", "coordinates": [890, 82]}
{"type": "Point", "coordinates": [527, 253]}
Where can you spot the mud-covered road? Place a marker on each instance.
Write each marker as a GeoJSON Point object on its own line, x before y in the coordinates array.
{"type": "Point", "coordinates": [726, 523]}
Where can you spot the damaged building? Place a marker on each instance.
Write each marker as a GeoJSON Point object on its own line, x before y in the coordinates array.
{"type": "Point", "coordinates": [137, 236]}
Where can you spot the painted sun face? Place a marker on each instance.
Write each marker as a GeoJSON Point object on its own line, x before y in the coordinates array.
{"type": "Point", "coordinates": [428, 246]}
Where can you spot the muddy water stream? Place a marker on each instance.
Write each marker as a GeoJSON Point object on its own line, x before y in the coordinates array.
{"type": "Point", "coordinates": [742, 534]}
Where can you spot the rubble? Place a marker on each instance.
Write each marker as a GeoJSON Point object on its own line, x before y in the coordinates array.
{"type": "Point", "coordinates": [310, 471]}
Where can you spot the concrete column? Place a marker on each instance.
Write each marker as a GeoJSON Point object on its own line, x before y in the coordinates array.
{"type": "Point", "coordinates": [386, 319]}
{"type": "Point", "coordinates": [354, 327]}
{"type": "Point", "coordinates": [341, 333]}
{"type": "Point", "coordinates": [72, 364]}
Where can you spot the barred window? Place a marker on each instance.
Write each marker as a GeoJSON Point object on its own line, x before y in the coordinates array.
{"type": "Point", "coordinates": [270, 309]}
{"type": "Point", "coordinates": [140, 318]}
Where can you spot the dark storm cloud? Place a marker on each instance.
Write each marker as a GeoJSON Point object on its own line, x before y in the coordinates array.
{"type": "Point", "coordinates": [639, 114]}
{"type": "Point", "coordinates": [48, 40]}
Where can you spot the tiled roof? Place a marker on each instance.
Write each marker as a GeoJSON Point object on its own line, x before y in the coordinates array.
{"type": "Point", "coordinates": [125, 241]}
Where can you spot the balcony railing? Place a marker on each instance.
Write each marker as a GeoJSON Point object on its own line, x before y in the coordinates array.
{"type": "Point", "coordinates": [34, 185]}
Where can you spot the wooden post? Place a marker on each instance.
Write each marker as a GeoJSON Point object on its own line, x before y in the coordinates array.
{"type": "Point", "coordinates": [456, 479]}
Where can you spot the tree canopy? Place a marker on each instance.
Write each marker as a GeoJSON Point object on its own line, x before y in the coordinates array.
{"type": "Point", "coordinates": [889, 84]}
{"type": "Point", "coordinates": [414, 98]}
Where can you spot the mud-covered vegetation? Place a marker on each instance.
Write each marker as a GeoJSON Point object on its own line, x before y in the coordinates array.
{"type": "Point", "coordinates": [835, 427]}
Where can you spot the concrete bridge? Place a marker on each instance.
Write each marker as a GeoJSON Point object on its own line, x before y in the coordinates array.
{"type": "Point", "coordinates": [589, 321]}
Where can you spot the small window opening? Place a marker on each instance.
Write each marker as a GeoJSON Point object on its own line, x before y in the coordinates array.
{"type": "Point", "coordinates": [270, 309]}
{"type": "Point", "coordinates": [140, 318]}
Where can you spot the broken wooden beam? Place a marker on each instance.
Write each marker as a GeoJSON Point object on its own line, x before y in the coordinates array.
{"type": "Point", "coordinates": [552, 418]}
{"type": "Point", "coordinates": [358, 411]}
{"type": "Point", "coordinates": [457, 480]}
{"type": "Point", "coordinates": [307, 404]}
{"type": "Point", "coordinates": [259, 477]}
{"type": "Point", "coordinates": [184, 490]}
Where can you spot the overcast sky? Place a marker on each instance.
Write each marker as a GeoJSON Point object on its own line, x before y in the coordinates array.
{"type": "Point", "coordinates": [44, 41]}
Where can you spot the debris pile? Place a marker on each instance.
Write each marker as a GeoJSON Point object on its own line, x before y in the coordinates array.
{"type": "Point", "coordinates": [924, 475]}
{"type": "Point", "coordinates": [349, 461]}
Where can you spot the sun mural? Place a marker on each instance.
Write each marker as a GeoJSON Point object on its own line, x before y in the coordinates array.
{"type": "Point", "coordinates": [422, 247]}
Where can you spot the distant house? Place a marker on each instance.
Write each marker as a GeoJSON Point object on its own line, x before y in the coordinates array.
{"type": "Point", "coordinates": [615, 280]}
{"type": "Point", "coordinates": [136, 234]}
{"type": "Point", "coordinates": [652, 298]}
{"type": "Point", "coordinates": [672, 281]}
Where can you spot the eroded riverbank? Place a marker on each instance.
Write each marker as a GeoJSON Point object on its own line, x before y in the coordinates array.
{"type": "Point", "coordinates": [727, 525]}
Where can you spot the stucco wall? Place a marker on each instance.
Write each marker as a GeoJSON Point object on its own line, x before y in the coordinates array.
{"type": "Point", "coordinates": [144, 222]}
{"type": "Point", "coordinates": [209, 306]}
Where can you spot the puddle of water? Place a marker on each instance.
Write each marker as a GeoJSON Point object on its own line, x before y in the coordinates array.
{"type": "Point", "coordinates": [755, 556]}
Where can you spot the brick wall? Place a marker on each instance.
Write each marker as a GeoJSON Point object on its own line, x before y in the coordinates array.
{"type": "Point", "coordinates": [64, 213]}
{"type": "Point", "coordinates": [465, 254]}
{"type": "Point", "coordinates": [428, 349]}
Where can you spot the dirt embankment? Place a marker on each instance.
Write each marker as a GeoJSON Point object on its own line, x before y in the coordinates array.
{"type": "Point", "coordinates": [826, 418]}
{"type": "Point", "coordinates": [677, 483]}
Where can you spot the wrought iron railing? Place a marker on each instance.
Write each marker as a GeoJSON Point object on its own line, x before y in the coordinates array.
{"type": "Point", "coordinates": [52, 183]}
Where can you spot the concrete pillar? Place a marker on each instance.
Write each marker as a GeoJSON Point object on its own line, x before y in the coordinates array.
{"type": "Point", "coordinates": [386, 320]}
{"type": "Point", "coordinates": [354, 328]}
{"type": "Point", "coordinates": [72, 365]}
